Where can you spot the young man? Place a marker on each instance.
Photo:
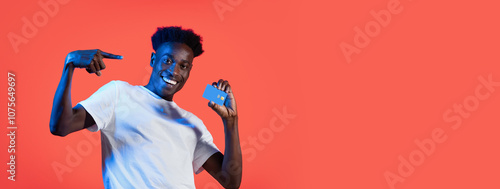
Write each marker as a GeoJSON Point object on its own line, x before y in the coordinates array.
{"type": "Point", "coordinates": [147, 140]}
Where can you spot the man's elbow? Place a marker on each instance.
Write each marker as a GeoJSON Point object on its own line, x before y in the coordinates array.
{"type": "Point", "coordinates": [234, 183]}
{"type": "Point", "coordinates": [58, 133]}
{"type": "Point", "coordinates": [233, 187]}
{"type": "Point", "coordinates": [56, 130]}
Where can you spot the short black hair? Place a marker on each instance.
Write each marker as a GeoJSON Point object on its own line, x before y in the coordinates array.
{"type": "Point", "coordinates": [177, 34]}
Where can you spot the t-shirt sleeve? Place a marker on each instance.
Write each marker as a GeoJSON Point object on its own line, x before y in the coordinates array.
{"type": "Point", "coordinates": [205, 148]}
{"type": "Point", "coordinates": [101, 105]}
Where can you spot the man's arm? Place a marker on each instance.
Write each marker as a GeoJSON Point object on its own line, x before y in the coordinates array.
{"type": "Point", "coordinates": [227, 168]}
{"type": "Point", "coordinates": [64, 119]}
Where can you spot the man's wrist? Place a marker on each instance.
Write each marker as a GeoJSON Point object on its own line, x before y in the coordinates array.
{"type": "Point", "coordinates": [70, 58]}
{"type": "Point", "coordinates": [69, 65]}
{"type": "Point", "coordinates": [230, 121]}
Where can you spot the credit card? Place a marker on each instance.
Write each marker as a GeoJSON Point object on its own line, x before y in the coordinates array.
{"type": "Point", "coordinates": [215, 95]}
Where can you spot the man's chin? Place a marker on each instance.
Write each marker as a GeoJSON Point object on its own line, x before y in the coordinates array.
{"type": "Point", "coordinates": [168, 92]}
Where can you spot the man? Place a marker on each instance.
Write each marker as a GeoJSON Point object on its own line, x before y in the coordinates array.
{"type": "Point", "coordinates": [147, 140]}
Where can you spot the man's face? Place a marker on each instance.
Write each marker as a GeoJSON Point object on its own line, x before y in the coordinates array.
{"type": "Point", "coordinates": [171, 64]}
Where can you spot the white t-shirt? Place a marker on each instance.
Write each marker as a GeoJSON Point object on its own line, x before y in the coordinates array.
{"type": "Point", "coordinates": [147, 142]}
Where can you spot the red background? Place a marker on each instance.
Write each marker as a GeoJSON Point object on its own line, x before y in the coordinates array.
{"type": "Point", "coordinates": [353, 120]}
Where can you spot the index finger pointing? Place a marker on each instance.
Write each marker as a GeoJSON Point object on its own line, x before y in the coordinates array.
{"type": "Point", "coordinates": [111, 56]}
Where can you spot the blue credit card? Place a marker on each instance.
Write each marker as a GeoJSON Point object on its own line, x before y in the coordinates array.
{"type": "Point", "coordinates": [215, 95]}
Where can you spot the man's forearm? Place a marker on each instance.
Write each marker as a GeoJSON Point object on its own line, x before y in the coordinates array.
{"type": "Point", "coordinates": [62, 107]}
{"type": "Point", "coordinates": [232, 163]}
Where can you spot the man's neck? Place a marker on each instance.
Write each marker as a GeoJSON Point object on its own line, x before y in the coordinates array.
{"type": "Point", "coordinates": [151, 88]}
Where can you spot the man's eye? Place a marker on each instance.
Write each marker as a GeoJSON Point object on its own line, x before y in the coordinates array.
{"type": "Point", "coordinates": [168, 61]}
{"type": "Point", "coordinates": [183, 66]}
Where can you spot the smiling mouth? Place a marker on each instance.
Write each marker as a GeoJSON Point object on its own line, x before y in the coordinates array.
{"type": "Point", "coordinates": [169, 81]}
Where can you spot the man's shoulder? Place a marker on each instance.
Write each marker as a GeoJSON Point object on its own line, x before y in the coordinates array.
{"type": "Point", "coordinates": [186, 114]}
{"type": "Point", "coordinates": [190, 116]}
{"type": "Point", "coordinates": [119, 88]}
{"type": "Point", "coordinates": [121, 85]}
{"type": "Point", "coordinates": [116, 83]}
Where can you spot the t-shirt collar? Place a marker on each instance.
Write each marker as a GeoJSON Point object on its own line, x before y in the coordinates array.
{"type": "Point", "coordinates": [155, 95]}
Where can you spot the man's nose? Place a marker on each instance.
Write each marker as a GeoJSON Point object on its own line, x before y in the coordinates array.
{"type": "Point", "coordinates": [174, 69]}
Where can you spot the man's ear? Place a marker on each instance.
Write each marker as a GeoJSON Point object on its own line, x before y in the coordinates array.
{"type": "Point", "coordinates": [153, 57]}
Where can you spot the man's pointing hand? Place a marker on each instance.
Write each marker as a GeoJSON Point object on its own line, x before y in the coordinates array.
{"type": "Point", "coordinates": [91, 60]}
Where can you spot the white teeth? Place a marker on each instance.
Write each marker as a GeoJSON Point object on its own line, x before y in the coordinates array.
{"type": "Point", "coordinates": [171, 82]}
